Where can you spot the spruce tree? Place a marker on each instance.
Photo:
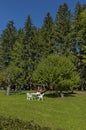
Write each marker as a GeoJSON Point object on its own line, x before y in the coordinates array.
{"type": "Point", "coordinates": [48, 35]}
{"type": "Point", "coordinates": [8, 38]}
{"type": "Point", "coordinates": [82, 33]}
{"type": "Point", "coordinates": [79, 28]}
{"type": "Point", "coordinates": [29, 48]}
{"type": "Point", "coordinates": [63, 28]}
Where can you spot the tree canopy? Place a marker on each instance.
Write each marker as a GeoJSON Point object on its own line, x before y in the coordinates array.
{"type": "Point", "coordinates": [58, 72]}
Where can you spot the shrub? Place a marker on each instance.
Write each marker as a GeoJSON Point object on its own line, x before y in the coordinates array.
{"type": "Point", "coordinates": [16, 124]}
{"type": "Point", "coordinates": [7, 123]}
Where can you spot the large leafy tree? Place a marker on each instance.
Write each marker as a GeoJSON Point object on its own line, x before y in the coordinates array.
{"type": "Point", "coordinates": [13, 74]}
{"type": "Point", "coordinates": [16, 66]}
{"type": "Point", "coordinates": [7, 40]}
{"type": "Point", "coordinates": [58, 72]}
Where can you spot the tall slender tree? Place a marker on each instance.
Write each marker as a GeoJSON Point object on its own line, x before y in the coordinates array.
{"type": "Point", "coordinates": [48, 35]}
{"type": "Point", "coordinates": [63, 27]}
{"type": "Point", "coordinates": [8, 38]}
{"type": "Point", "coordinates": [82, 33]}
{"type": "Point", "coordinates": [29, 48]}
{"type": "Point", "coordinates": [79, 29]}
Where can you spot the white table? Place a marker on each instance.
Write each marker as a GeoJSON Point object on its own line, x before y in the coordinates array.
{"type": "Point", "coordinates": [35, 95]}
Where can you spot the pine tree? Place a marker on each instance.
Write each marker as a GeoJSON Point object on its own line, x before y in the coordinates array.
{"type": "Point", "coordinates": [8, 39]}
{"type": "Point", "coordinates": [20, 35]}
{"type": "Point", "coordinates": [48, 35]}
{"type": "Point", "coordinates": [77, 25]}
{"type": "Point", "coordinates": [63, 28]}
{"type": "Point", "coordinates": [29, 49]}
{"type": "Point", "coordinates": [82, 33]}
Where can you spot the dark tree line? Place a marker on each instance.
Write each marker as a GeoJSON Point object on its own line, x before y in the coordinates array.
{"type": "Point", "coordinates": [22, 49]}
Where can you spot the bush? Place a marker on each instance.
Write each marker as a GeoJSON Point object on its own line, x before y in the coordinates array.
{"type": "Point", "coordinates": [16, 124]}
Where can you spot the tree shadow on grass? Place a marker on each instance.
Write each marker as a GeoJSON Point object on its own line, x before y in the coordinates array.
{"type": "Point", "coordinates": [69, 94]}
{"type": "Point", "coordinates": [17, 92]}
{"type": "Point", "coordinates": [56, 95]}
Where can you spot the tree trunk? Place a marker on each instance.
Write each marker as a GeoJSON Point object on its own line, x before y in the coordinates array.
{"type": "Point", "coordinates": [61, 94]}
{"type": "Point", "coordinates": [82, 88]}
{"type": "Point", "coordinates": [8, 91]}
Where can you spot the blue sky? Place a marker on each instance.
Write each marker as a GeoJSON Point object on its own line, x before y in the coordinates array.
{"type": "Point", "coordinates": [18, 10]}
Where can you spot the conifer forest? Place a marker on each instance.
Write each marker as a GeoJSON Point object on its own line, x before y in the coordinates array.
{"type": "Point", "coordinates": [53, 55]}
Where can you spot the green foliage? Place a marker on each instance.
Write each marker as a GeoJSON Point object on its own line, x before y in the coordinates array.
{"type": "Point", "coordinates": [48, 35]}
{"type": "Point", "coordinates": [30, 47]}
{"type": "Point", "coordinates": [63, 26]}
{"type": "Point", "coordinates": [79, 27]}
{"type": "Point", "coordinates": [21, 50]}
{"type": "Point", "coordinates": [12, 73]}
{"type": "Point", "coordinates": [83, 20]}
{"type": "Point", "coordinates": [82, 39]}
{"type": "Point", "coordinates": [57, 71]}
{"type": "Point", "coordinates": [82, 31]}
{"type": "Point", "coordinates": [8, 39]}
{"type": "Point", "coordinates": [16, 124]}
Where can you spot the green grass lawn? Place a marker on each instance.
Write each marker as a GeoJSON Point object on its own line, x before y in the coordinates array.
{"type": "Point", "coordinates": [68, 112]}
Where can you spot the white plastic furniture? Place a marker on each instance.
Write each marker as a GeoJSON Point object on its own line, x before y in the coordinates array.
{"type": "Point", "coordinates": [29, 96]}
{"type": "Point", "coordinates": [40, 97]}
{"type": "Point", "coordinates": [35, 96]}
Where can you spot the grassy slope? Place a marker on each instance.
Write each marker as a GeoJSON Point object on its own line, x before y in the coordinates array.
{"type": "Point", "coordinates": [68, 112]}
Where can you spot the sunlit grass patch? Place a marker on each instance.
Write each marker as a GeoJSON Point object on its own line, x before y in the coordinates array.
{"type": "Point", "coordinates": [68, 112]}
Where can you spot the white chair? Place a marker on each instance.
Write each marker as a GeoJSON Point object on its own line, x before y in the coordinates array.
{"type": "Point", "coordinates": [29, 96]}
{"type": "Point", "coordinates": [40, 97]}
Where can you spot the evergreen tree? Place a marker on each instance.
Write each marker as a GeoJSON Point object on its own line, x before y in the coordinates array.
{"type": "Point", "coordinates": [63, 28]}
{"type": "Point", "coordinates": [82, 33]}
{"type": "Point", "coordinates": [8, 39]}
{"type": "Point", "coordinates": [1, 59]}
{"type": "Point", "coordinates": [48, 35]}
{"type": "Point", "coordinates": [20, 35]}
{"type": "Point", "coordinates": [30, 48]}
{"type": "Point", "coordinates": [79, 28]}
